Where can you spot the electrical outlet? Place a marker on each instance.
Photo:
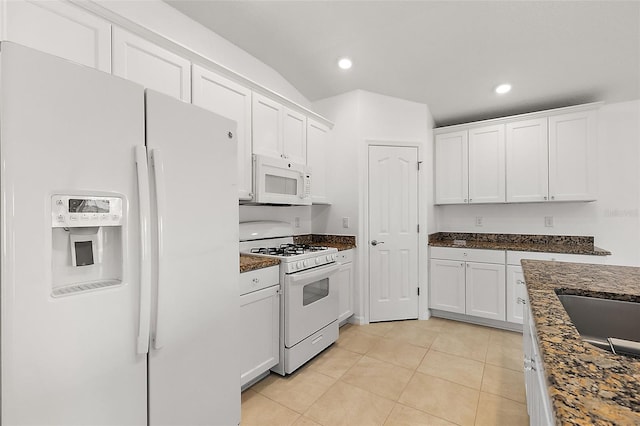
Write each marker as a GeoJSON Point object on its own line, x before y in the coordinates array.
{"type": "Point", "coordinates": [296, 222]}
{"type": "Point", "coordinates": [478, 220]}
{"type": "Point", "coordinates": [345, 222]}
{"type": "Point", "coordinates": [548, 221]}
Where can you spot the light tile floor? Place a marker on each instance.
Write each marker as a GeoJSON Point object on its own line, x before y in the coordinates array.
{"type": "Point", "coordinates": [435, 372]}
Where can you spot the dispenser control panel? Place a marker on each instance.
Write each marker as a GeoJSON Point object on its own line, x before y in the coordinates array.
{"type": "Point", "coordinates": [70, 211]}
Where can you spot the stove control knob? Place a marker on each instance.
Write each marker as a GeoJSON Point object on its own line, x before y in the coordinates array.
{"type": "Point", "coordinates": [299, 264]}
{"type": "Point", "coordinates": [318, 260]}
{"type": "Point", "coordinates": [305, 263]}
{"type": "Point", "coordinates": [328, 258]}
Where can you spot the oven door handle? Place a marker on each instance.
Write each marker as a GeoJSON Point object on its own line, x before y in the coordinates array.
{"type": "Point", "coordinates": [303, 278]}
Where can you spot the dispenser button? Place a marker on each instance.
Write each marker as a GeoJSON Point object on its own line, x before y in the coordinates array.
{"type": "Point", "coordinates": [60, 218]}
{"type": "Point", "coordinates": [73, 217]}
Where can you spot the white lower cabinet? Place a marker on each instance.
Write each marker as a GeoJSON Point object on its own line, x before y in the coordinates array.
{"type": "Point", "coordinates": [259, 329]}
{"type": "Point", "coordinates": [538, 403]}
{"type": "Point", "coordinates": [344, 278]}
{"type": "Point", "coordinates": [468, 281]}
{"type": "Point", "coordinates": [485, 290]}
{"type": "Point", "coordinates": [447, 285]}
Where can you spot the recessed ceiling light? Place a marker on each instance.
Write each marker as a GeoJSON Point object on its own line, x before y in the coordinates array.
{"type": "Point", "coordinates": [345, 63]}
{"type": "Point", "coordinates": [503, 88]}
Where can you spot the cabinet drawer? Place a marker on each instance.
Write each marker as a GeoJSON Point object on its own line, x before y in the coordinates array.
{"type": "Point", "coordinates": [514, 257]}
{"type": "Point", "coordinates": [259, 279]}
{"type": "Point", "coordinates": [468, 255]}
{"type": "Point", "coordinates": [345, 256]}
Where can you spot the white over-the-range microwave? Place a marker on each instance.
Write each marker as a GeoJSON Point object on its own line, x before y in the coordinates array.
{"type": "Point", "coordinates": [279, 181]}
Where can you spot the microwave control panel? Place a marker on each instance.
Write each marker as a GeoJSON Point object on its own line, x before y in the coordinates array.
{"type": "Point", "coordinates": [306, 190]}
{"type": "Point", "coordinates": [71, 211]}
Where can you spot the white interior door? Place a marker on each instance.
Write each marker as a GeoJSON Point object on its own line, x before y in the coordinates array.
{"type": "Point", "coordinates": [393, 233]}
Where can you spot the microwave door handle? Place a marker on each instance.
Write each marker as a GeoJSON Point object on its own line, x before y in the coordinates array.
{"type": "Point", "coordinates": [304, 278]}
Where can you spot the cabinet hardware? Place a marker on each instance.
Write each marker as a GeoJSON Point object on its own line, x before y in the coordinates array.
{"type": "Point", "coordinates": [418, 291]}
{"type": "Point", "coordinates": [520, 282]}
{"type": "Point", "coordinates": [521, 301]}
{"type": "Point", "coordinates": [465, 200]}
{"type": "Point", "coordinates": [553, 197]}
{"type": "Point", "coordinates": [545, 197]}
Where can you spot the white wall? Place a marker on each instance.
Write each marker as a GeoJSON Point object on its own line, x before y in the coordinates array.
{"type": "Point", "coordinates": [342, 165]}
{"type": "Point", "coordinates": [282, 214]}
{"type": "Point", "coordinates": [159, 17]}
{"type": "Point", "coordinates": [362, 117]}
{"type": "Point", "coordinates": [614, 220]}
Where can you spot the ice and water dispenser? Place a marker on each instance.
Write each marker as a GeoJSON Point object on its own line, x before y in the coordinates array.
{"type": "Point", "coordinates": [87, 243]}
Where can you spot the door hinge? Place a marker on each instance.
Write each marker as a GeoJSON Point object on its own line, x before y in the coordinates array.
{"type": "Point", "coordinates": [418, 291]}
{"type": "Point", "coordinates": [419, 162]}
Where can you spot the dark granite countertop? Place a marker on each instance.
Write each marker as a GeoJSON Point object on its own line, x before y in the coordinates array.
{"type": "Point", "coordinates": [251, 263]}
{"type": "Point", "coordinates": [520, 242]}
{"type": "Point", "coordinates": [587, 385]}
{"type": "Point", "coordinates": [341, 242]}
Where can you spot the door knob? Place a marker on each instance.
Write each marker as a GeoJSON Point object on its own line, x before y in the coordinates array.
{"type": "Point", "coordinates": [375, 242]}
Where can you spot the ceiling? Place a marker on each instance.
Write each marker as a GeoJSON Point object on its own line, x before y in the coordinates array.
{"type": "Point", "coordinates": [449, 55]}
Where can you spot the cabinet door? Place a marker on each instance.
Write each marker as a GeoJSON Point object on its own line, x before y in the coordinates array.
{"type": "Point", "coordinates": [294, 136]}
{"type": "Point", "coordinates": [233, 101]}
{"type": "Point", "coordinates": [139, 60]}
{"type": "Point", "coordinates": [527, 161]}
{"type": "Point", "coordinates": [317, 146]}
{"type": "Point", "coordinates": [259, 332]}
{"type": "Point", "coordinates": [487, 165]}
{"type": "Point", "coordinates": [485, 290]}
{"type": "Point", "coordinates": [267, 126]}
{"type": "Point", "coordinates": [452, 168]}
{"type": "Point", "coordinates": [447, 286]}
{"type": "Point", "coordinates": [61, 29]}
{"type": "Point", "coordinates": [572, 152]}
{"type": "Point", "coordinates": [344, 278]}
{"type": "Point", "coordinates": [516, 294]}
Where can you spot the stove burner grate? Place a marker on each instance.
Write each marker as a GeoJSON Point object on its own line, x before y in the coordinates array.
{"type": "Point", "coordinates": [288, 249]}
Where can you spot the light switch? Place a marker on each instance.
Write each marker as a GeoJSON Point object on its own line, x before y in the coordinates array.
{"type": "Point", "coordinates": [548, 221]}
{"type": "Point", "coordinates": [345, 222]}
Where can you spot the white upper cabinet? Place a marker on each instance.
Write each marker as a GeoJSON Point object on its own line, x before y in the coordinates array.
{"type": "Point", "coordinates": [487, 165]}
{"type": "Point", "coordinates": [527, 161]}
{"type": "Point", "coordinates": [278, 131]}
{"type": "Point", "coordinates": [233, 101]}
{"type": "Point", "coordinates": [452, 168]}
{"type": "Point", "coordinates": [61, 29]}
{"type": "Point", "coordinates": [317, 146]}
{"type": "Point", "coordinates": [139, 60]}
{"type": "Point", "coordinates": [294, 136]}
{"type": "Point", "coordinates": [267, 126]}
{"type": "Point", "coordinates": [572, 156]}
{"type": "Point", "coordinates": [545, 156]}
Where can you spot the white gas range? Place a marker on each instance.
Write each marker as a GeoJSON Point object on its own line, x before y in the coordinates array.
{"type": "Point", "coordinates": [309, 302]}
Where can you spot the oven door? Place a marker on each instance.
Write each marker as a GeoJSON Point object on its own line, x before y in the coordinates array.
{"type": "Point", "coordinates": [310, 302]}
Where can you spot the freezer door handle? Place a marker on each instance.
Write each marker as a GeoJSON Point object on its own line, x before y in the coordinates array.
{"type": "Point", "coordinates": [158, 174]}
{"type": "Point", "coordinates": [145, 252]}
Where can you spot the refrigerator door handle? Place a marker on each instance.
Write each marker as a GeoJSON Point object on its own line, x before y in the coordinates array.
{"type": "Point", "coordinates": [145, 252]}
{"type": "Point", "coordinates": [158, 174]}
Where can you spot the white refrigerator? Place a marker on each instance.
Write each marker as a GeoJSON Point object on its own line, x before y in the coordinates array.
{"type": "Point", "coordinates": [119, 251]}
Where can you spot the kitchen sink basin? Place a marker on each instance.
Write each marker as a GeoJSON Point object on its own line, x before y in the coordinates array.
{"type": "Point", "coordinates": [613, 325]}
